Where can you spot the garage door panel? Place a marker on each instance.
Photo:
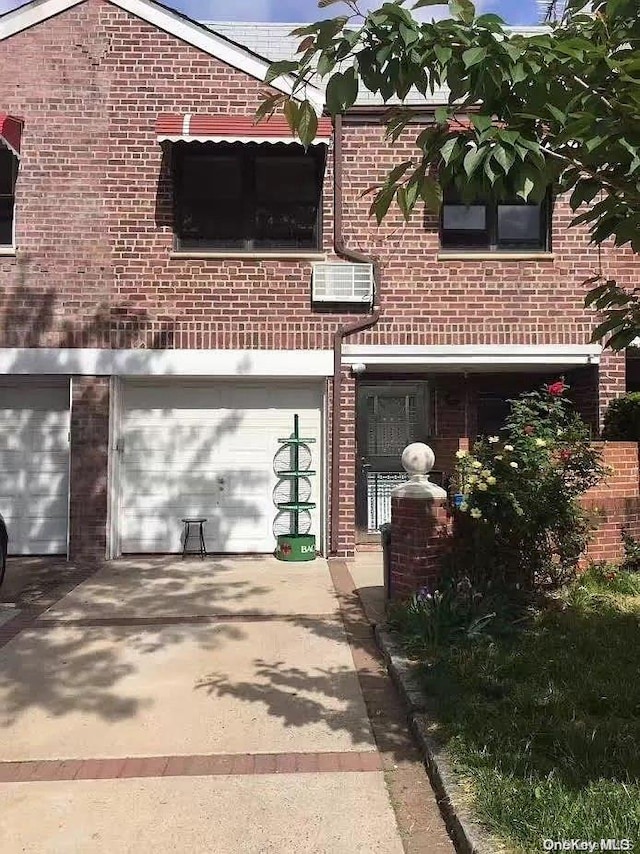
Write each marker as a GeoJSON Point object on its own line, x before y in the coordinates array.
{"type": "Point", "coordinates": [34, 460]}
{"type": "Point", "coordinates": [15, 438]}
{"type": "Point", "coordinates": [158, 494]}
{"type": "Point", "coordinates": [182, 457]}
{"type": "Point", "coordinates": [35, 534]}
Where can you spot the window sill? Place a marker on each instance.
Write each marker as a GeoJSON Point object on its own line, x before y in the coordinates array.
{"type": "Point", "coordinates": [9, 251]}
{"type": "Point", "coordinates": [249, 256]}
{"type": "Point", "coordinates": [496, 256]}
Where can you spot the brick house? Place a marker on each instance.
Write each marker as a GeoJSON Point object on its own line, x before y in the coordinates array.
{"type": "Point", "coordinates": [168, 294]}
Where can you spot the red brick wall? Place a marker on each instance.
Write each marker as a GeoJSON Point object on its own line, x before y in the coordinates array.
{"type": "Point", "coordinates": [89, 461]}
{"type": "Point", "coordinates": [614, 505]}
{"type": "Point", "coordinates": [94, 219]}
{"type": "Point", "coordinates": [94, 230]}
{"type": "Point", "coordinates": [420, 532]}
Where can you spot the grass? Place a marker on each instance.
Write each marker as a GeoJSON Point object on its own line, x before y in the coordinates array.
{"type": "Point", "coordinates": [544, 724]}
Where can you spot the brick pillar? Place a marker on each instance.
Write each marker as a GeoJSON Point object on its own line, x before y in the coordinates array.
{"type": "Point", "coordinates": [345, 446]}
{"type": "Point", "coordinates": [420, 526]}
{"type": "Point", "coordinates": [89, 464]}
{"type": "Point", "coordinates": [611, 380]}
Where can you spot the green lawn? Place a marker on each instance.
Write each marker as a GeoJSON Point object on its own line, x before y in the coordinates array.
{"type": "Point", "coordinates": [545, 724]}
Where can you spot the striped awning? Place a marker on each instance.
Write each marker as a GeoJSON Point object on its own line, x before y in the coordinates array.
{"type": "Point", "coordinates": [196, 127]}
{"type": "Point", "coordinates": [10, 132]}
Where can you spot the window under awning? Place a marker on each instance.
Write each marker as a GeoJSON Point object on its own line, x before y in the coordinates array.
{"type": "Point", "coordinates": [10, 132]}
{"type": "Point", "coordinates": [196, 127]}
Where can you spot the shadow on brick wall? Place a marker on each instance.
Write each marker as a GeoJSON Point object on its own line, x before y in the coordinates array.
{"type": "Point", "coordinates": [34, 496]}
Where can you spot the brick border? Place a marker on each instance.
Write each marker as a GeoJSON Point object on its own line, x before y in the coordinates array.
{"type": "Point", "coordinates": [417, 807]}
{"type": "Point", "coordinates": [215, 765]}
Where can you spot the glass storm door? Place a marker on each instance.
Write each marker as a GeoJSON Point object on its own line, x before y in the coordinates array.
{"type": "Point", "coordinates": [389, 417]}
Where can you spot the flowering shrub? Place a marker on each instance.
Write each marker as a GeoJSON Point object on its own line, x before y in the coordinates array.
{"type": "Point", "coordinates": [519, 521]}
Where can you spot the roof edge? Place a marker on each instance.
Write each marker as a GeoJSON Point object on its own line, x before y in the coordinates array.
{"type": "Point", "coordinates": [174, 23]}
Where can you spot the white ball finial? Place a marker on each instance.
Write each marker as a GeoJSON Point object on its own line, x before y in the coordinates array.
{"type": "Point", "coordinates": [418, 459]}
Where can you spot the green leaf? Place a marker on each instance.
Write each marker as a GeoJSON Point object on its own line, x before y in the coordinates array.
{"type": "Point", "coordinates": [431, 194]}
{"type": "Point", "coordinates": [409, 35]}
{"type": "Point", "coordinates": [472, 159]}
{"type": "Point", "coordinates": [443, 54]}
{"type": "Point", "coordinates": [291, 112]}
{"type": "Point", "coordinates": [622, 339]}
{"type": "Point", "coordinates": [268, 106]}
{"type": "Point", "coordinates": [441, 115]}
{"type": "Point", "coordinates": [448, 149]}
{"type": "Point", "coordinates": [481, 122]}
{"type": "Point", "coordinates": [326, 64]}
{"type": "Point", "coordinates": [382, 202]}
{"type": "Point", "coordinates": [557, 114]}
{"type": "Point", "coordinates": [422, 3]}
{"type": "Point", "coordinates": [277, 69]}
{"type": "Point", "coordinates": [463, 10]}
{"type": "Point", "coordinates": [473, 56]}
{"type": "Point", "coordinates": [614, 321]}
{"type": "Point", "coordinates": [398, 171]}
{"type": "Point", "coordinates": [307, 123]}
{"type": "Point", "coordinates": [403, 203]}
{"type": "Point", "coordinates": [527, 186]}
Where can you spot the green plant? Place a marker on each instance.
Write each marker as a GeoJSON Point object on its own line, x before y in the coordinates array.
{"type": "Point", "coordinates": [455, 611]}
{"type": "Point", "coordinates": [631, 561]}
{"type": "Point", "coordinates": [602, 578]}
{"type": "Point", "coordinates": [622, 419]}
{"type": "Point", "coordinates": [520, 523]}
{"type": "Point", "coordinates": [544, 725]}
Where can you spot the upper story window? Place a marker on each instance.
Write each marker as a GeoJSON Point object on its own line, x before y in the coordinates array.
{"type": "Point", "coordinates": [8, 174]}
{"type": "Point", "coordinates": [248, 197]}
{"type": "Point", "coordinates": [495, 225]}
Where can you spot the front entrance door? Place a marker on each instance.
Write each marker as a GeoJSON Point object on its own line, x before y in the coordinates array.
{"type": "Point", "coordinates": [389, 417]}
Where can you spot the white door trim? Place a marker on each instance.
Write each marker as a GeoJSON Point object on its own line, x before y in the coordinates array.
{"type": "Point", "coordinates": [286, 364]}
{"type": "Point", "coordinates": [113, 471]}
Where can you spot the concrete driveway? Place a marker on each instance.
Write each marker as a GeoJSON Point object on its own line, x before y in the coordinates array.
{"type": "Point", "coordinates": [190, 706]}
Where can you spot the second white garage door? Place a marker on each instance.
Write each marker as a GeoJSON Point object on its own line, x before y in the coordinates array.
{"type": "Point", "coordinates": [208, 449]}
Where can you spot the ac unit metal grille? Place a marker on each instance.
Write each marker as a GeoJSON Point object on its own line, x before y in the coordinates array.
{"type": "Point", "coordinates": [342, 282]}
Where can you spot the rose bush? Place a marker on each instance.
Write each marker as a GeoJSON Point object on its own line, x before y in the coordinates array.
{"type": "Point", "coordinates": [519, 521]}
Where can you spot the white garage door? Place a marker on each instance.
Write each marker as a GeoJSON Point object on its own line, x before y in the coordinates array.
{"type": "Point", "coordinates": [34, 467]}
{"type": "Point", "coordinates": [211, 449]}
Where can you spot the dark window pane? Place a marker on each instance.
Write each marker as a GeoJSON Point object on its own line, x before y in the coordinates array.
{"type": "Point", "coordinates": [464, 226]}
{"type": "Point", "coordinates": [464, 217]}
{"type": "Point", "coordinates": [211, 207]}
{"type": "Point", "coordinates": [8, 164]}
{"type": "Point", "coordinates": [6, 222]}
{"type": "Point", "coordinates": [286, 208]}
{"type": "Point", "coordinates": [519, 224]}
{"type": "Point", "coordinates": [241, 197]}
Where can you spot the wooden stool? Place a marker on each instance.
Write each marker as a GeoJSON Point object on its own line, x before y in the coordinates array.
{"type": "Point", "coordinates": [202, 550]}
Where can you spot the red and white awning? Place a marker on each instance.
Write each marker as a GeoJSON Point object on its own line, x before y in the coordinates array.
{"type": "Point", "coordinates": [196, 127]}
{"type": "Point", "coordinates": [10, 132]}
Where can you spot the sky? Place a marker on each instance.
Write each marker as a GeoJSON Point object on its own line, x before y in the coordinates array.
{"type": "Point", "coordinates": [513, 11]}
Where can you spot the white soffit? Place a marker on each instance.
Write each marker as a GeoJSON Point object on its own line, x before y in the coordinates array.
{"type": "Point", "coordinates": [473, 356]}
{"type": "Point", "coordinates": [171, 22]}
{"type": "Point", "coordinates": [166, 363]}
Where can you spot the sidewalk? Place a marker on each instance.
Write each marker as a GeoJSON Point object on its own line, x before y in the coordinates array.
{"type": "Point", "coordinates": [193, 706]}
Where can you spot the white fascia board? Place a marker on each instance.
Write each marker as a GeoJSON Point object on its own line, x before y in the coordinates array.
{"type": "Point", "coordinates": [166, 363]}
{"type": "Point", "coordinates": [176, 25]}
{"type": "Point", "coordinates": [473, 355]}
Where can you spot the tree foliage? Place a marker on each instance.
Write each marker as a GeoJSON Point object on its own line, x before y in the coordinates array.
{"type": "Point", "coordinates": [559, 108]}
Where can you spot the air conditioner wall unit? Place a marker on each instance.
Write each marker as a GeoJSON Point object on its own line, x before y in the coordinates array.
{"type": "Point", "coordinates": [342, 282]}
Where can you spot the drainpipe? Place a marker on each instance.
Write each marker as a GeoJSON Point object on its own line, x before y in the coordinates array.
{"type": "Point", "coordinates": [344, 331]}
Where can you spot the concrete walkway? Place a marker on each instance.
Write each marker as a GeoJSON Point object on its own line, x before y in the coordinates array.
{"type": "Point", "coordinates": [190, 706]}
